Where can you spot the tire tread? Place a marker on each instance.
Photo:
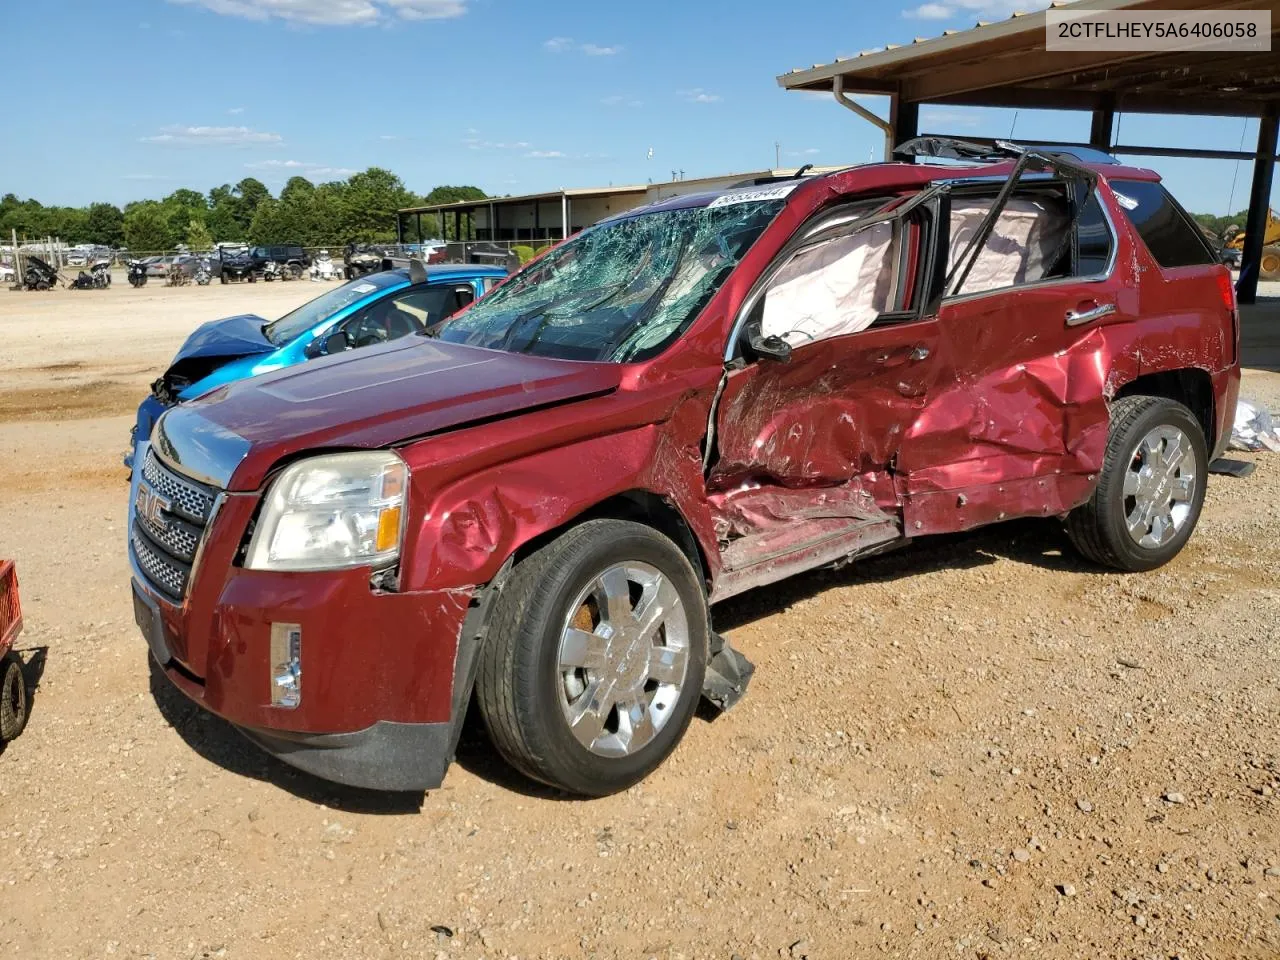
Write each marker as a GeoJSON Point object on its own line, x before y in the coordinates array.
{"type": "Point", "coordinates": [508, 706]}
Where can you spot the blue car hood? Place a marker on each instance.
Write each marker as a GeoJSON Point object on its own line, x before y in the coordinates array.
{"type": "Point", "coordinates": [240, 336]}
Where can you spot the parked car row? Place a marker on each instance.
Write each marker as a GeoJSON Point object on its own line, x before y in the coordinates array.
{"type": "Point", "coordinates": [396, 509]}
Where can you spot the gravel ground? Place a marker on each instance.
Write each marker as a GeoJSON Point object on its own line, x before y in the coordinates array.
{"type": "Point", "coordinates": [977, 747]}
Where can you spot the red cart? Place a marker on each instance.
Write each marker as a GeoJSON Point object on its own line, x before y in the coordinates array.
{"type": "Point", "coordinates": [13, 685]}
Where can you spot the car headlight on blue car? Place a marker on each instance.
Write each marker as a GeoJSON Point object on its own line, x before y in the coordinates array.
{"type": "Point", "coordinates": [333, 512]}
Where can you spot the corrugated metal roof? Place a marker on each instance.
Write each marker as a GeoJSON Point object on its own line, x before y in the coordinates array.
{"type": "Point", "coordinates": [980, 31]}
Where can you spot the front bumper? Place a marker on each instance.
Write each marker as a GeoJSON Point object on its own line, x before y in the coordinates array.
{"type": "Point", "coordinates": [384, 676]}
{"type": "Point", "coordinates": [385, 756]}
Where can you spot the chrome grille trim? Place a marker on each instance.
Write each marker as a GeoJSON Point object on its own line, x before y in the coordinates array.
{"type": "Point", "coordinates": [165, 546]}
{"type": "Point", "coordinates": [191, 500]}
{"type": "Point", "coordinates": [161, 571]}
{"type": "Point", "coordinates": [176, 536]}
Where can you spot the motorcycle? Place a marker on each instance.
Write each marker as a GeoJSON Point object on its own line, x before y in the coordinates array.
{"type": "Point", "coordinates": [322, 267]}
{"type": "Point", "coordinates": [97, 277]}
{"type": "Point", "coordinates": [137, 273]}
{"type": "Point", "coordinates": [204, 273]}
{"type": "Point", "coordinates": [271, 271]}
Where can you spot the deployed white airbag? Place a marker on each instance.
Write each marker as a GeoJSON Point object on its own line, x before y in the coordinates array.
{"type": "Point", "coordinates": [834, 289]}
{"type": "Point", "coordinates": [1027, 233]}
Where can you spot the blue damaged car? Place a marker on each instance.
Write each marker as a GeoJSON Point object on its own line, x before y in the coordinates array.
{"type": "Point", "coordinates": [369, 310]}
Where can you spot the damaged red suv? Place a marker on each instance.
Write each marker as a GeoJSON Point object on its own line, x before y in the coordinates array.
{"type": "Point", "coordinates": [536, 503]}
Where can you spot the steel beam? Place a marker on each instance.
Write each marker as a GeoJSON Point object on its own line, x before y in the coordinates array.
{"type": "Point", "coordinates": [1259, 203]}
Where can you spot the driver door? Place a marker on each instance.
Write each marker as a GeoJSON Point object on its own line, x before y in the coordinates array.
{"type": "Point", "coordinates": [834, 360]}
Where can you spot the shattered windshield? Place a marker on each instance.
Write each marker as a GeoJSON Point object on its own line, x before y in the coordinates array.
{"type": "Point", "coordinates": [619, 291]}
{"type": "Point", "coordinates": [299, 321]}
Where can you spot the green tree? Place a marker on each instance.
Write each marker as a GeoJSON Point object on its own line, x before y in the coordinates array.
{"type": "Point", "coordinates": [223, 221]}
{"type": "Point", "coordinates": [251, 192]}
{"type": "Point", "coordinates": [371, 200]}
{"type": "Point", "coordinates": [191, 199]}
{"type": "Point", "coordinates": [298, 189]}
{"type": "Point", "coordinates": [447, 194]}
{"type": "Point", "coordinates": [198, 237]}
{"type": "Point", "coordinates": [147, 229]}
{"type": "Point", "coordinates": [104, 224]}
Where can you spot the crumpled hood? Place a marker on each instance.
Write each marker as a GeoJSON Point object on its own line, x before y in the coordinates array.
{"type": "Point", "coordinates": [239, 336]}
{"type": "Point", "coordinates": [368, 398]}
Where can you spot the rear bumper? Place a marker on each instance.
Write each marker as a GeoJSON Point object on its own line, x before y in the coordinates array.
{"type": "Point", "coordinates": [1226, 391]}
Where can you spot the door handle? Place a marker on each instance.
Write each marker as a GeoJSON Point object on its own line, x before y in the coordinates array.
{"type": "Point", "coordinates": [919, 353]}
{"type": "Point", "coordinates": [1074, 318]}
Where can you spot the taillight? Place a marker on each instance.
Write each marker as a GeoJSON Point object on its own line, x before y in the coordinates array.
{"type": "Point", "coordinates": [1227, 290]}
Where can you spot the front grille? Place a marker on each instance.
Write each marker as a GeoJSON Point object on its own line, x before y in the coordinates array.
{"type": "Point", "coordinates": [166, 535]}
{"type": "Point", "coordinates": [192, 500]}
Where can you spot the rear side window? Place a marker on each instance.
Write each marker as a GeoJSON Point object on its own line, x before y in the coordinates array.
{"type": "Point", "coordinates": [1168, 232]}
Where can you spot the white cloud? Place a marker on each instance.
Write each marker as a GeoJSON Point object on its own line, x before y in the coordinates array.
{"type": "Point", "coordinates": [929, 11]}
{"type": "Point", "coordinates": [978, 9]}
{"type": "Point", "coordinates": [212, 136]}
{"type": "Point", "coordinates": [698, 95]}
{"type": "Point", "coordinates": [389, 136]}
{"type": "Point", "coordinates": [807, 152]}
{"type": "Point", "coordinates": [146, 176]}
{"type": "Point", "coordinates": [334, 13]}
{"type": "Point", "coordinates": [474, 143]}
{"type": "Point", "coordinates": [937, 119]}
{"type": "Point", "coordinates": [565, 44]}
{"type": "Point", "coordinates": [301, 168]}
{"type": "Point", "coordinates": [545, 154]}
{"type": "Point", "coordinates": [236, 110]}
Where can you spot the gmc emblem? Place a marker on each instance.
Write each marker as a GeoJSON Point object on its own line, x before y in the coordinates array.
{"type": "Point", "coordinates": [150, 506]}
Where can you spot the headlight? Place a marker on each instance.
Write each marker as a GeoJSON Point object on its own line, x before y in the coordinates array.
{"type": "Point", "coordinates": [331, 512]}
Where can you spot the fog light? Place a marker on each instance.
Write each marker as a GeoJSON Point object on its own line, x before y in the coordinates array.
{"type": "Point", "coordinates": [286, 664]}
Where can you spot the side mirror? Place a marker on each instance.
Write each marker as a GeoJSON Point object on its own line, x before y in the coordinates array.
{"type": "Point", "coordinates": [772, 348]}
{"type": "Point", "coordinates": [335, 343]}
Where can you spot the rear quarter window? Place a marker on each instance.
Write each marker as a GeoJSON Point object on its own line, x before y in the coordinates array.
{"type": "Point", "coordinates": [1164, 226]}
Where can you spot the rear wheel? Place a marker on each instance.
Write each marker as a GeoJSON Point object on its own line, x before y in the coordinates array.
{"type": "Point", "coordinates": [1151, 489]}
{"type": "Point", "coordinates": [13, 698]}
{"type": "Point", "coordinates": [1269, 268]}
{"type": "Point", "coordinates": [595, 658]}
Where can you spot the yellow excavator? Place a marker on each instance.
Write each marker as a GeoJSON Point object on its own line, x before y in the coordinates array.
{"type": "Point", "coordinates": [1269, 269]}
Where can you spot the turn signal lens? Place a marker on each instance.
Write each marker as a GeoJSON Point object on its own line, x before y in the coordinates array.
{"type": "Point", "coordinates": [388, 529]}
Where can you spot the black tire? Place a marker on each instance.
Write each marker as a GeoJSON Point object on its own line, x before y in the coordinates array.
{"type": "Point", "coordinates": [1269, 265]}
{"type": "Point", "coordinates": [1097, 527]}
{"type": "Point", "coordinates": [222, 278]}
{"type": "Point", "coordinates": [13, 698]}
{"type": "Point", "coordinates": [518, 685]}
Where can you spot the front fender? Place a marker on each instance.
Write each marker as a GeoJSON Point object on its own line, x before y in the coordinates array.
{"type": "Point", "coordinates": [465, 523]}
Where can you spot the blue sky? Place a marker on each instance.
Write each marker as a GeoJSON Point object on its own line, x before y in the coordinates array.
{"type": "Point", "coordinates": [136, 98]}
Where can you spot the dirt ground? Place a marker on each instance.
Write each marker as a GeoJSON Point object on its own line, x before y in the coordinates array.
{"type": "Point", "coordinates": [978, 747]}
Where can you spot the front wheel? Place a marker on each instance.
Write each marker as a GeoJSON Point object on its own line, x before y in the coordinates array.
{"type": "Point", "coordinates": [595, 658]}
{"type": "Point", "coordinates": [1151, 489]}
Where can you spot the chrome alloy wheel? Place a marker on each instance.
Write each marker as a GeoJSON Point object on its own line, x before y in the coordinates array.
{"type": "Point", "coordinates": [1160, 486]}
{"type": "Point", "coordinates": [623, 658]}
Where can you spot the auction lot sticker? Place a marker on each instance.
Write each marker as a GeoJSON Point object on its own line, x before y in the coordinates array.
{"type": "Point", "coordinates": [1201, 30]}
